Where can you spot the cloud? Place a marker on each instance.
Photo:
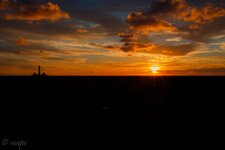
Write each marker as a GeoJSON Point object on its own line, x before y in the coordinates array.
{"type": "Point", "coordinates": [34, 12]}
{"type": "Point", "coordinates": [210, 71]}
{"type": "Point", "coordinates": [22, 41]}
{"type": "Point", "coordinates": [78, 60]}
{"type": "Point", "coordinates": [156, 18]}
{"type": "Point", "coordinates": [176, 39]}
{"type": "Point", "coordinates": [216, 37]}
{"type": "Point", "coordinates": [130, 43]}
{"type": "Point", "coordinates": [144, 23]}
{"type": "Point", "coordinates": [82, 30]}
{"type": "Point", "coordinates": [202, 16]}
{"type": "Point", "coordinates": [135, 47]}
{"type": "Point", "coordinates": [65, 59]}
{"type": "Point", "coordinates": [172, 50]}
{"type": "Point", "coordinates": [5, 4]}
{"type": "Point", "coordinates": [173, 16]}
{"type": "Point", "coordinates": [109, 47]}
{"type": "Point", "coordinates": [25, 47]}
{"type": "Point", "coordinates": [31, 53]}
{"type": "Point", "coordinates": [108, 14]}
{"type": "Point", "coordinates": [206, 31]}
{"type": "Point", "coordinates": [164, 14]}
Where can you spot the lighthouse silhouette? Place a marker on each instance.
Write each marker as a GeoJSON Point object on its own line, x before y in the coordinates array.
{"type": "Point", "coordinates": [39, 72]}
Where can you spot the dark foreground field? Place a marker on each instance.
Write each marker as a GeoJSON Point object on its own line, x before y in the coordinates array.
{"type": "Point", "coordinates": [65, 112]}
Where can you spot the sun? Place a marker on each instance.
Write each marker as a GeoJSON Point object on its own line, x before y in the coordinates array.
{"type": "Point", "coordinates": [154, 69]}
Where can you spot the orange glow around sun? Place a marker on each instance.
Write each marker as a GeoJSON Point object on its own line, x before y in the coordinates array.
{"type": "Point", "coordinates": [154, 69]}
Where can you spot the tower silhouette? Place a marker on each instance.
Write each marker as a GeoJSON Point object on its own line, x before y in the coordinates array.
{"type": "Point", "coordinates": [39, 70]}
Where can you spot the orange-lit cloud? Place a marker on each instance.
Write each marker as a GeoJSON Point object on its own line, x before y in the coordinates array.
{"type": "Point", "coordinates": [82, 30]}
{"type": "Point", "coordinates": [202, 16]}
{"type": "Point", "coordinates": [145, 23]}
{"type": "Point", "coordinates": [35, 12]}
{"type": "Point", "coordinates": [163, 14]}
{"type": "Point", "coordinates": [163, 17]}
{"type": "Point", "coordinates": [22, 41]}
{"type": "Point", "coordinates": [156, 19]}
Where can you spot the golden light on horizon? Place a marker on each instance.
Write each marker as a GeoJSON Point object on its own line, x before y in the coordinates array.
{"type": "Point", "coordinates": [154, 69]}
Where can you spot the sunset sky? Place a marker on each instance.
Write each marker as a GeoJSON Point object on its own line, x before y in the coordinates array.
{"type": "Point", "coordinates": [112, 37]}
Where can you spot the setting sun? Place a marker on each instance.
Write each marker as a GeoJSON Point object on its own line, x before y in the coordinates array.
{"type": "Point", "coordinates": [154, 69]}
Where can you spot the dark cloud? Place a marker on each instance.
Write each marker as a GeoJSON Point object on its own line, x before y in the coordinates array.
{"type": "Point", "coordinates": [156, 19]}
{"type": "Point", "coordinates": [133, 44]}
{"type": "Point", "coordinates": [5, 4]}
{"type": "Point", "coordinates": [210, 70]}
{"type": "Point", "coordinates": [30, 11]}
{"type": "Point", "coordinates": [199, 22]}
{"type": "Point", "coordinates": [164, 14]}
{"type": "Point", "coordinates": [168, 7]}
{"type": "Point", "coordinates": [130, 43]}
{"type": "Point", "coordinates": [47, 29]}
{"type": "Point", "coordinates": [206, 31]}
{"type": "Point", "coordinates": [109, 14]}
{"type": "Point", "coordinates": [106, 14]}
{"type": "Point", "coordinates": [127, 37]}
{"type": "Point", "coordinates": [145, 23]}
{"type": "Point", "coordinates": [109, 23]}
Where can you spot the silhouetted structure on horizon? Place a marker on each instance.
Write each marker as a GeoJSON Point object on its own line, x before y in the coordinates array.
{"type": "Point", "coordinates": [39, 72]}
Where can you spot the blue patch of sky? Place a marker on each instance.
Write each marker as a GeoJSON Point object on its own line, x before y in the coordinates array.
{"type": "Point", "coordinates": [120, 15]}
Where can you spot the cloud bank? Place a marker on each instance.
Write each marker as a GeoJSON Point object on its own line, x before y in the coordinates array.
{"type": "Point", "coordinates": [14, 10]}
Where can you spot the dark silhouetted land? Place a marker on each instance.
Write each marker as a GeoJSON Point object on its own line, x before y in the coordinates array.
{"type": "Point", "coordinates": [81, 111]}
